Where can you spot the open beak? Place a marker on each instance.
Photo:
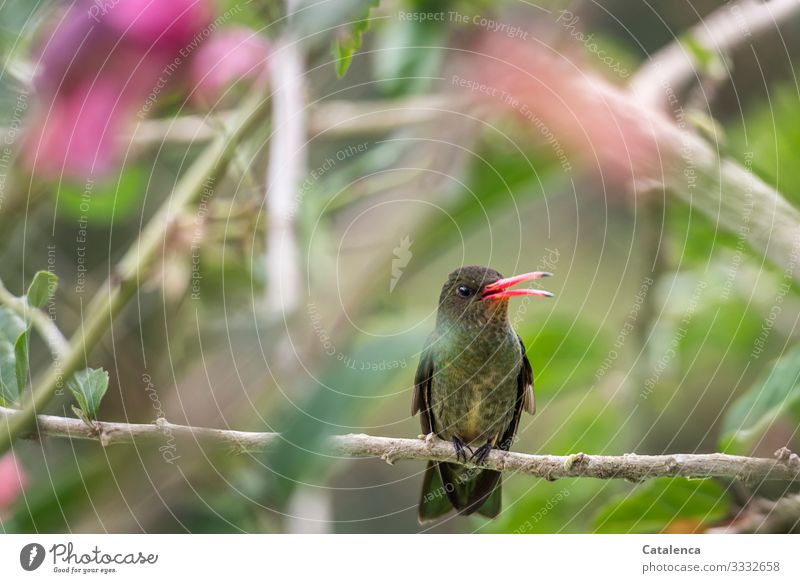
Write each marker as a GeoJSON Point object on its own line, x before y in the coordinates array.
{"type": "Point", "coordinates": [500, 289]}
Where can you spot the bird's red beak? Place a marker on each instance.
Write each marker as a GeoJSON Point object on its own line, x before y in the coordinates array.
{"type": "Point", "coordinates": [499, 289]}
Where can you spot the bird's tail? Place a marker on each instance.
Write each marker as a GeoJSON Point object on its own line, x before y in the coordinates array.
{"type": "Point", "coordinates": [447, 486]}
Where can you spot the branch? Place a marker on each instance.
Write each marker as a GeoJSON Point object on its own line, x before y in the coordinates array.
{"type": "Point", "coordinates": [126, 277]}
{"type": "Point", "coordinates": [338, 119]}
{"type": "Point", "coordinates": [631, 467]}
{"type": "Point", "coordinates": [765, 516]}
{"type": "Point", "coordinates": [672, 68]}
{"type": "Point", "coordinates": [333, 119]}
{"type": "Point", "coordinates": [731, 196]}
{"type": "Point", "coordinates": [726, 192]}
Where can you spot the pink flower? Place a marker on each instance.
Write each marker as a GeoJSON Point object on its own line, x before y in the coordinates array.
{"type": "Point", "coordinates": [560, 100]}
{"type": "Point", "coordinates": [167, 26]}
{"type": "Point", "coordinates": [233, 56]}
{"type": "Point", "coordinates": [13, 480]}
{"type": "Point", "coordinates": [102, 63]}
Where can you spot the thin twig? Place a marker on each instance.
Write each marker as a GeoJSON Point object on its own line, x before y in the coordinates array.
{"type": "Point", "coordinates": [631, 467]}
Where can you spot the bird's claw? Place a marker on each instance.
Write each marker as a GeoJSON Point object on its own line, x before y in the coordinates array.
{"type": "Point", "coordinates": [482, 453]}
{"type": "Point", "coordinates": [461, 450]}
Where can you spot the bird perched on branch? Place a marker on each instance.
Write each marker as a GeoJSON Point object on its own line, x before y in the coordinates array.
{"type": "Point", "coordinates": [472, 384]}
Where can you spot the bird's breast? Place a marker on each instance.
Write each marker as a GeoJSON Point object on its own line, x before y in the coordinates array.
{"type": "Point", "coordinates": [473, 392]}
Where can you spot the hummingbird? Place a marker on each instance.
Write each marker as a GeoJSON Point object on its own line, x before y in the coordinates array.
{"type": "Point", "coordinates": [472, 384]}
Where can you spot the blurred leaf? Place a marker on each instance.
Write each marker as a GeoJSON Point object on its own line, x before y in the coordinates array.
{"type": "Point", "coordinates": [411, 54]}
{"type": "Point", "coordinates": [768, 138]}
{"type": "Point", "coordinates": [711, 62]}
{"type": "Point", "coordinates": [346, 45]}
{"type": "Point", "coordinates": [313, 21]}
{"type": "Point", "coordinates": [541, 508]}
{"type": "Point", "coordinates": [112, 200]}
{"type": "Point", "coordinates": [611, 54]}
{"type": "Point", "coordinates": [694, 237]}
{"type": "Point", "coordinates": [705, 323]}
{"type": "Point", "coordinates": [255, 15]}
{"type": "Point", "coordinates": [776, 391]}
{"type": "Point", "coordinates": [654, 506]}
{"type": "Point", "coordinates": [348, 382]}
{"type": "Point", "coordinates": [21, 358]}
{"type": "Point", "coordinates": [572, 424]}
{"type": "Point", "coordinates": [16, 17]}
{"type": "Point", "coordinates": [11, 328]}
{"type": "Point", "coordinates": [9, 390]}
{"type": "Point", "coordinates": [567, 354]}
{"type": "Point", "coordinates": [88, 387]}
{"type": "Point", "coordinates": [11, 325]}
{"type": "Point", "coordinates": [74, 486]}
{"type": "Point", "coordinates": [41, 288]}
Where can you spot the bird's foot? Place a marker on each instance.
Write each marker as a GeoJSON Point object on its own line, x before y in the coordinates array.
{"type": "Point", "coordinates": [461, 449]}
{"type": "Point", "coordinates": [482, 453]}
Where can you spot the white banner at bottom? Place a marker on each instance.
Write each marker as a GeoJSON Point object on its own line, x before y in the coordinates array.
{"type": "Point", "coordinates": [355, 558]}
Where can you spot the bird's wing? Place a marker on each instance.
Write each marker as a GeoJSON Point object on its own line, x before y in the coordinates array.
{"type": "Point", "coordinates": [525, 400]}
{"type": "Point", "coordinates": [422, 388]}
{"type": "Point", "coordinates": [525, 382]}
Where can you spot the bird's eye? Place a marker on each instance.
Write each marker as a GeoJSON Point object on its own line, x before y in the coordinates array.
{"type": "Point", "coordinates": [464, 291]}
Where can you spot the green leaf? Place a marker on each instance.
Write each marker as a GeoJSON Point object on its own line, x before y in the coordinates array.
{"type": "Point", "coordinates": [711, 62]}
{"type": "Point", "coordinates": [776, 391]}
{"type": "Point", "coordinates": [11, 325]}
{"type": "Point", "coordinates": [21, 358]}
{"type": "Point", "coordinates": [41, 288]}
{"type": "Point", "coordinates": [346, 45]}
{"type": "Point", "coordinates": [88, 387]}
{"type": "Point", "coordinates": [411, 55]}
{"type": "Point", "coordinates": [112, 200]}
{"type": "Point", "coordinates": [768, 139]}
{"type": "Point", "coordinates": [654, 506]}
{"type": "Point", "coordinates": [9, 390]}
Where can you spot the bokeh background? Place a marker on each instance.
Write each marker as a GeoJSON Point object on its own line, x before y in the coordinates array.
{"type": "Point", "coordinates": [399, 141]}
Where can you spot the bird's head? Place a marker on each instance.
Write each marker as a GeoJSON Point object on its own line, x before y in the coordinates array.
{"type": "Point", "coordinates": [474, 295]}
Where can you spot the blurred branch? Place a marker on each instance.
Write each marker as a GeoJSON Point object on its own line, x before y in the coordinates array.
{"type": "Point", "coordinates": [46, 328]}
{"type": "Point", "coordinates": [184, 129]}
{"type": "Point", "coordinates": [337, 119]}
{"type": "Point", "coordinates": [126, 278]}
{"type": "Point", "coordinates": [284, 175]}
{"type": "Point", "coordinates": [723, 190]}
{"type": "Point", "coordinates": [334, 119]}
{"type": "Point", "coordinates": [729, 194]}
{"type": "Point", "coordinates": [734, 24]}
{"type": "Point", "coordinates": [765, 516]}
{"type": "Point", "coordinates": [390, 449]}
